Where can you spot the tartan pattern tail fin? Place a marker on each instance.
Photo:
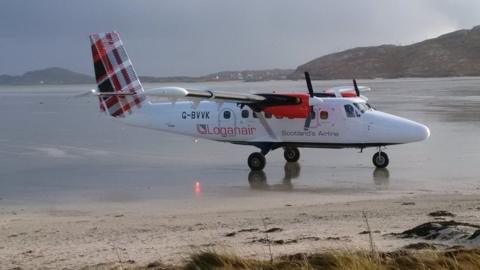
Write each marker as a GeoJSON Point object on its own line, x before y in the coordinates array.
{"type": "Point", "coordinates": [114, 73]}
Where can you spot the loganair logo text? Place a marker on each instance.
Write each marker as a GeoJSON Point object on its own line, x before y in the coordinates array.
{"type": "Point", "coordinates": [196, 115]}
{"type": "Point", "coordinates": [224, 131]}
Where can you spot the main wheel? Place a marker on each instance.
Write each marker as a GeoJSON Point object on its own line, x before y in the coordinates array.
{"type": "Point", "coordinates": [380, 160]}
{"type": "Point", "coordinates": [291, 154]}
{"type": "Point", "coordinates": [256, 161]}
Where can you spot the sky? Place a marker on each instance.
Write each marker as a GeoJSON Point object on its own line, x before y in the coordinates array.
{"type": "Point", "coordinates": [198, 37]}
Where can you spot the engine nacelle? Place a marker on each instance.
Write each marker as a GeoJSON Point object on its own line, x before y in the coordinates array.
{"type": "Point", "coordinates": [300, 110]}
{"type": "Point", "coordinates": [168, 92]}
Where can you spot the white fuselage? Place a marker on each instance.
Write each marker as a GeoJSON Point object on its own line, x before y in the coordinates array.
{"type": "Point", "coordinates": [335, 124]}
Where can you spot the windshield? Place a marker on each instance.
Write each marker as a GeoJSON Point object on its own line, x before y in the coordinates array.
{"type": "Point", "coordinates": [362, 107]}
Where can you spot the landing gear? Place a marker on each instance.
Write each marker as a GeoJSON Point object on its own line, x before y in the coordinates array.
{"type": "Point", "coordinates": [291, 154]}
{"type": "Point", "coordinates": [380, 159]}
{"type": "Point", "coordinates": [256, 161]}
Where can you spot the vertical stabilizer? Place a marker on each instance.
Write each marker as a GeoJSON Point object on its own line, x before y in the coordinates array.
{"type": "Point", "coordinates": [115, 76]}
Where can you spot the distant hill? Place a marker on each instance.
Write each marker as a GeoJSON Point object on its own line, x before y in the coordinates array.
{"type": "Point", "coordinates": [56, 75]}
{"type": "Point", "coordinates": [244, 75]}
{"type": "Point", "coordinates": [453, 54]}
{"type": "Point", "coordinates": [53, 75]}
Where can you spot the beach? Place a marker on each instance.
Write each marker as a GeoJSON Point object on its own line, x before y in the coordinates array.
{"type": "Point", "coordinates": [88, 235]}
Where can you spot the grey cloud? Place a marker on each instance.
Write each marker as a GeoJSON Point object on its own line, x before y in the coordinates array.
{"type": "Point", "coordinates": [198, 37]}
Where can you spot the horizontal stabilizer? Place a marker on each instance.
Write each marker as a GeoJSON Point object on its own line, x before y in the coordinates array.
{"type": "Point", "coordinates": [109, 94]}
{"type": "Point", "coordinates": [104, 94]}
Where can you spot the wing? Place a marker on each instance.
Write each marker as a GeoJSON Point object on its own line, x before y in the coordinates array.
{"type": "Point", "coordinates": [257, 102]}
{"type": "Point", "coordinates": [345, 91]}
{"type": "Point", "coordinates": [292, 105]}
{"type": "Point", "coordinates": [176, 93]}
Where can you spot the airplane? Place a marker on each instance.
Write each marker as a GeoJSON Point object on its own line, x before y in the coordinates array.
{"type": "Point", "coordinates": [337, 118]}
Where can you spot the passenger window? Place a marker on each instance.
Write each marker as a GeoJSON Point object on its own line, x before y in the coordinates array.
{"type": "Point", "coordinates": [324, 115]}
{"type": "Point", "coordinates": [245, 114]}
{"type": "Point", "coordinates": [268, 115]}
{"type": "Point", "coordinates": [226, 114]}
{"type": "Point", "coordinates": [349, 110]}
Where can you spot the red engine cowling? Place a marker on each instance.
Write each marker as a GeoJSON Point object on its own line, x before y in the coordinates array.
{"type": "Point", "coordinates": [300, 110]}
{"type": "Point", "coordinates": [349, 94]}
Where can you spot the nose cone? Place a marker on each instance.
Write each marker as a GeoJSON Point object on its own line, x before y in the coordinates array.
{"type": "Point", "coordinates": [410, 131]}
{"type": "Point", "coordinates": [418, 132]}
{"type": "Point", "coordinates": [389, 128]}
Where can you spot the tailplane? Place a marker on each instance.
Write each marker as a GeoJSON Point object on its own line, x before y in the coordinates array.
{"type": "Point", "coordinates": [119, 89]}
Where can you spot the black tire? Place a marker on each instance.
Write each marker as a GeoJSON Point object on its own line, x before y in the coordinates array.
{"type": "Point", "coordinates": [291, 154]}
{"type": "Point", "coordinates": [256, 161]}
{"type": "Point", "coordinates": [380, 160]}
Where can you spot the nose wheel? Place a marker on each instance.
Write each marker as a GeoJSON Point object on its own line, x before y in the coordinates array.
{"type": "Point", "coordinates": [291, 154]}
{"type": "Point", "coordinates": [380, 159]}
{"type": "Point", "coordinates": [256, 161]}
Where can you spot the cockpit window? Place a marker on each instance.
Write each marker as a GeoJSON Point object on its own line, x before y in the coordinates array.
{"type": "Point", "coordinates": [362, 107]}
{"type": "Point", "coordinates": [349, 110]}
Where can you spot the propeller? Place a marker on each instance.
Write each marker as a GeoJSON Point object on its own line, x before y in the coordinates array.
{"type": "Point", "coordinates": [357, 91]}
{"type": "Point", "coordinates": [309, 83]}
{"type": "Point", "coordinates": [310, 91]}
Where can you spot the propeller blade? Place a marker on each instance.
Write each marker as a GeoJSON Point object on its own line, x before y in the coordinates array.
{"type": "Point", "coordinates": [308, 120]}
{"type": "Point", "coordinates": [357, 91]}
{"type": "Point", "coordinates": [309, 83]}
{"type": "Point", "coordinates": [310, 91]}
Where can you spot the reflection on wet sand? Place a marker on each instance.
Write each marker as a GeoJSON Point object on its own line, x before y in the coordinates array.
{"type": "Point", "coordinates": [198, 188]}
{"type": "Point", "coordinates": [258, 179]}
{"type": "Point", "coordinates": [381, 177]}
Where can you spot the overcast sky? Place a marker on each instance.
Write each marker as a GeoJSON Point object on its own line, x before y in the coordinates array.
{"type": "Point", "coordinates": [196, 37]}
